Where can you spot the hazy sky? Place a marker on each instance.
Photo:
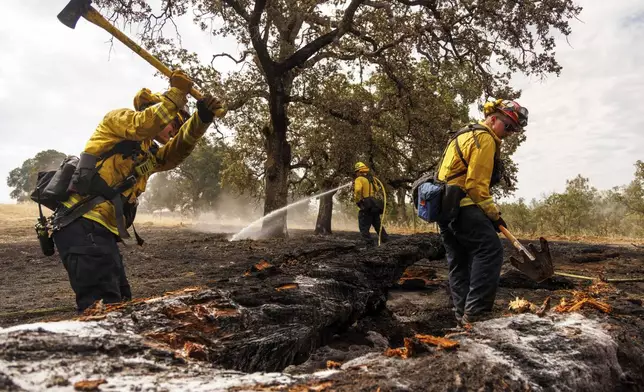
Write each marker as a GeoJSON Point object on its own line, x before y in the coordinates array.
{"type": "Point", "coordinates": [56, 84]}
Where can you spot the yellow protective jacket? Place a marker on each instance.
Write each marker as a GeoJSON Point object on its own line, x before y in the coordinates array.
{"type": "Point", "coordinates": [127, 124]}
{"type": "Point", "coordinates": [362, 188]}
{"type": "Point", "coordinates": [480, 158]}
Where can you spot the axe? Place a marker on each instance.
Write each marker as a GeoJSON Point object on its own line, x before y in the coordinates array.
{"type": "Point", "coordinates": [73, 11]}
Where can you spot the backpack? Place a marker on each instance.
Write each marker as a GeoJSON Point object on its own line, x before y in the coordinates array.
{"type": "Point", "coordinates": [427, 194]}
{"type": "Point", "coordinates": [55, 186]}
{"type": "Point", "coordinates": [51, 186]}
{"type": "Point", "coordinates": [80, 175]}
{"type": "Point", "coordinates": [433, 199]}
{"type": "Point", "coordinates": [372, 204]}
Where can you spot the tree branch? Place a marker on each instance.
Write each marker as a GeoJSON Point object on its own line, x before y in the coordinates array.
{"type": "Point", "coordinates": [242, 100]}
{"type": "Point", "coordinates": [239, 9]}
{"type": "Point", "coordinates": [333, 112]}
{"type": "Point", "coordinates": [245, 54]}
{"type": "Point", "coordinates": [256, 37]}
{"type": "Point", "coordinates": [312, 47]}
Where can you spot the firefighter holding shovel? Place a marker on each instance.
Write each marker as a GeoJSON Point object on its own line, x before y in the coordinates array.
{"type": "Point", "coordinates": [469, 166]}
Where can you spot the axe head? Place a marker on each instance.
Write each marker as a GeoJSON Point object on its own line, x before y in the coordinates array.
{"type": "Point", "coordinates": [73, 11]}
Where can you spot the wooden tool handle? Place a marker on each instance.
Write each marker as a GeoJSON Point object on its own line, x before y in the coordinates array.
{"type": "Point", "coordinates": [516, 242]}
{"type": "Point", "coordinates": [93, 16]}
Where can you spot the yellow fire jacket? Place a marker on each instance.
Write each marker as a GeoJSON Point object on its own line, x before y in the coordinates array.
{"type": "Point", "coordinates": [480, 159]}
{"type": "Point", "coordinates": [363, 188]}
{"type": "Point", "coordinates": [127, 124]}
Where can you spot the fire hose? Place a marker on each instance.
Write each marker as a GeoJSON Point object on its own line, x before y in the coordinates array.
{"type": "Point", "coordinates": [384, 208]}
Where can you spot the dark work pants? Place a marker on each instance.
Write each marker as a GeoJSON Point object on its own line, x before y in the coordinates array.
{"type": "Point", "coordinates": [474, 256]}
{"type": "Point", "coordinates": [366, 219]}
{"type": "Point", "coordinates": [93, 262]}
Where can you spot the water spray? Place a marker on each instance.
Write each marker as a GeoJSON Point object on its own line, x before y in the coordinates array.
{"type": "Point", "coordinates": [243, 233]}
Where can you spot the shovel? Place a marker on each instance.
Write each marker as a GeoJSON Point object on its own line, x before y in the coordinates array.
{"type": "Point", "coordinates": [537, 265]}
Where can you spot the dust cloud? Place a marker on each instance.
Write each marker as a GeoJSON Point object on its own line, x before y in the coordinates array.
{"type": "Point", "coordinates": [232, 213]}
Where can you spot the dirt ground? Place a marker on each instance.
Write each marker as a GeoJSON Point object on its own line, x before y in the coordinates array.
{"type": "Point", "coordinates": [34, 287]}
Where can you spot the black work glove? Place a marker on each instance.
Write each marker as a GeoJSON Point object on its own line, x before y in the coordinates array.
{"type": "Point", "coordinates": [208, 107]}
{"type": "Point", "coordinates": [499, 222]}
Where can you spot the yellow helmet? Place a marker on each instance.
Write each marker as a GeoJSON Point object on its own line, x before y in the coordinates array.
{"type": "Point", "coordinates": [360, 167]}
{"type": "Point", "coordinates": [145, 98]}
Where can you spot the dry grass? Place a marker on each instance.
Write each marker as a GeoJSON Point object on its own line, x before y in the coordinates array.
{"type": "Point", "coordinates": [17, 224]}
{"type": "Point", "coordinates": [398, 228]}
{"type": "Point", "coordinates": [146, 219]}
{"type": "Point", "coordinates": [591, 239]}
{"type": "Point", "coordinates": [423, 227]}
{"type": "Point", "coordinates": [17, 221]}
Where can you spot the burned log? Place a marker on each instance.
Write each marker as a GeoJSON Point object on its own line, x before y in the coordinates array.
{"type": "Point", "coordinates": [270, 317]}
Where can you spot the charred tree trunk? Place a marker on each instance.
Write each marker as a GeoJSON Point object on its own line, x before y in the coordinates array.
{"type": "Point", "coordinates": [325, 213]}
{"type": "Point", "coordinates": [402, 207]}
{"type": "Point", "coordinates": [278, 160]}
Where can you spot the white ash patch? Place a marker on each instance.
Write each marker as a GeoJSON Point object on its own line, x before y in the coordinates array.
{"type": "Point", "coordinates": [77, 328]}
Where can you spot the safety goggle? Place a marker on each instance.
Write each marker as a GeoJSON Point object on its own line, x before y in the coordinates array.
{"type": "Point", "coordinates": [510, 127]}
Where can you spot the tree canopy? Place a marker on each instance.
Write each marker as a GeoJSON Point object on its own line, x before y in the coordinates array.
{"type": "Point", "coordinates": [23, 179]}
{"type": "Point", "coordinates": [295, 53]}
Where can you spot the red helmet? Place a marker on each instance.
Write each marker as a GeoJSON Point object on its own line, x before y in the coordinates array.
{"type": "Point", "coordinates": [512, 109]}
{"type": "Point", "coordinates": [516, 112]}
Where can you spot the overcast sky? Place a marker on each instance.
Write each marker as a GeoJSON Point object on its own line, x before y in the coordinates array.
{"type": "Point", "coordinates": [56, 84]}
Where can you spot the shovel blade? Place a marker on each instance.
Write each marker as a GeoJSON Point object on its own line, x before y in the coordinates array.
{"type": "Point", "coordinates": [539, 269]}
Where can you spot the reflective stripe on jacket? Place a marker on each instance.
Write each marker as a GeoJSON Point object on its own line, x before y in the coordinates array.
{"type": "Point", "coordinates": [480, 159]}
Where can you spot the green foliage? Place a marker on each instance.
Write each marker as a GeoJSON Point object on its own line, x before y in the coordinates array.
{"type": "Point", "coordinates": [523, 217]}
{"type": "Point", "coordinates": [581, 210]}
{"type": "Point", "coordinates": [633, 194]}
{"type": "Point", "coordinates": [301, 106]}
{"type": "Point", "coordinates": [23, 179]}
{"type": "Point", "coordinates": [193, 186]}
{"type": "Point", "coordinates": [162, 192]}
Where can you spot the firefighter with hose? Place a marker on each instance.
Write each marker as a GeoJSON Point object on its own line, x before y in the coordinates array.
{"type": "Point", "coordinates": [367, 190]}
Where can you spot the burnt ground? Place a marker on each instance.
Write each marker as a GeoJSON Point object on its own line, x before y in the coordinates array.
{"type": "Point", "coordinates": [35, 288]}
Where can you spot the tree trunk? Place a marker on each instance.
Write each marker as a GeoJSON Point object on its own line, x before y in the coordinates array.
{"type": "Point", "coordinates": [278, 162]}
{"type": "Point", "coordinates": [402, 207]}
{"type": "Point", "coordinates": [325, 213]}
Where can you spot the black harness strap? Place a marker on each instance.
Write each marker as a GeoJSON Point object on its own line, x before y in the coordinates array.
{"type": "Point", "coordinates": [86, 205]}
{"type": "Point", "coordinates": [103, 192]}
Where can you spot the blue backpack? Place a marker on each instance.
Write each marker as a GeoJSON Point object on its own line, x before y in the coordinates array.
{"type": "Point", "coordinates": [427, 194]}
{"type": "Point", "coordinates": [430, 200]}
{"type": "Point", "coordinates": [433, 199]}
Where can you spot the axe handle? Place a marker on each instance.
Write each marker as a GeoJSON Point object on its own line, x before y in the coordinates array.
{"type": "Point", "coordinates": [94, 17]}
{"type": "Point", "coordinates": [516, 242]}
